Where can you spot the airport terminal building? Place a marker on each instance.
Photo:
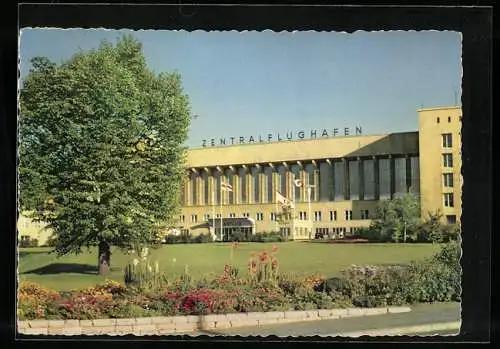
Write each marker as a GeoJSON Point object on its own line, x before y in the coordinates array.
{"type": "Point", "coordinates": [332, 182]}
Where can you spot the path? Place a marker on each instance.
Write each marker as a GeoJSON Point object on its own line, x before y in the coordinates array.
{"type": "Point", "coordinates": [425, 319]}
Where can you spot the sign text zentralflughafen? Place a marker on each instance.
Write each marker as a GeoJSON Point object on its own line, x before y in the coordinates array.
{"type": "Point", "coordinates": [287, 136]}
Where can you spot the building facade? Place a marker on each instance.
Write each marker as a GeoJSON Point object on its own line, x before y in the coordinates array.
{"type": "Point", "coordinates": [342, 179]}
{"type": "Point", "coordinates": [441, 162]}
{"type": "Point", "coordinates": [346, 176]}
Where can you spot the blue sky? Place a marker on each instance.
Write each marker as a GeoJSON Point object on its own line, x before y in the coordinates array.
{"type": "Point", "coordinates": [253, 83]}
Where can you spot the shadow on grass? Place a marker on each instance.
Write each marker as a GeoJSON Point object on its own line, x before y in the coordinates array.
{"type": "Point", "coordinates": [61, 268]}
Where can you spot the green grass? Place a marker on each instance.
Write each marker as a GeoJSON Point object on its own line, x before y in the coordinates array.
{"type": "Point", "coordinates": [77, 271]}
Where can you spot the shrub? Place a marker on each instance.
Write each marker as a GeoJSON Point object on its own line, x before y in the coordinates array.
{"type": "Point", "coordinates": [128, 310]}
{"type": "Point", "coordinates": [85, 305]}
{"type": "Point", "coordinates": [267, 237]}
{"type": "Point", "coordinates": [27, 241]}
{"type": "Point", "coordinates": [202, 238]}
{"type": "Point", "coordinates": [35, 301]}
{"type": "Point", "coordinates": [238, 236]}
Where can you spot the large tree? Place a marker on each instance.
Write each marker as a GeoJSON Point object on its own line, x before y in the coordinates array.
{"type": "Point", "coordinates": [101, 148]}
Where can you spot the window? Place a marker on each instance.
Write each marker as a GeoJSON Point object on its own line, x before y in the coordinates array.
{"type": "Point", "coordinates": [448, 160]}
{"type": "Point", "coordinates": [206, 216]}
{"type": "Point", "coordinates": [232, 215]}
{"type": "Point", "coordinates": [449, 118]}
{"type": "Point", "coordinates": [182, 218]}
{"type": "Point", "coordinates": [448, 200]}
{"type": "Point", "coordinates": [218, 215]}
{"type": "Point", "coordinates": [259, 216]}
{"type": "Point", "coordinates": [348, 215]}
{"type": "Point", "coordinates": [246, 214]}
{"type": "Point", "coordinates": [317, 215]}
{"type": "Point", "coordinates": [273, 216]}
{"type": "Point", "coordinates": [451, 219]}
{"type": "Point", "coordinates": [303, 215]}
{"type": "Point", "coordinates": [437, 120]}
{"type": "Point", "coordinates": [333, 215]}
{"type": "Point", "coordinates": [364, 214]}
{"type": "Point", "coordinates": [446, 140]}
{"type": "Point", "coordinates": [448, 180]}
{"type": "Point", "coordinates": [194, 218]}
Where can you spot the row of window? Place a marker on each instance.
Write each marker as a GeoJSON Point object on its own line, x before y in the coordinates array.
{"type": "Point", "coordinates": [259, 216]}
{"type": "Point", "coordinates": [438, 120]}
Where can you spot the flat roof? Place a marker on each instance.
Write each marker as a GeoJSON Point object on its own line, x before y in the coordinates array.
{"type": "Point", "coordinates": [304, 150]}
{"type": "Point", "coordinates": [438, 108]}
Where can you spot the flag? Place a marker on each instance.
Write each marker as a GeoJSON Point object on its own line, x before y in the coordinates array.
{"type": "Point", "coordinates": [226, 186]}
{"type": "Point", "coordinates": [298, 182]}
{"type": "Point", "coordinates": [283, 200]}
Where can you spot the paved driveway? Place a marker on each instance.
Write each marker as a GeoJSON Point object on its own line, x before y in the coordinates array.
{"type": "Point", "coordinates": [414, 322]}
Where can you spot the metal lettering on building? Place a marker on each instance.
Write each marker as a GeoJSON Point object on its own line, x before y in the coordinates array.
{"type": "Point", "coordinates": [278, 137]}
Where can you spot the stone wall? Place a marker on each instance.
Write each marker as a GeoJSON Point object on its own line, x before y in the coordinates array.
{"type": "Point", "coordinates": [185, 324]}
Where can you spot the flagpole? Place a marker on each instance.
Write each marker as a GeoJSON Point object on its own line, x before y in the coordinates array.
{"type": "Point", "coordinates": [220, 201]}
{"type": "Point", "coordinates": [309, 209]}
{"type": "Point", "coordinates": [213, 209]}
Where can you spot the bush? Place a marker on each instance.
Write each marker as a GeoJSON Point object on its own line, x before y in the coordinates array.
{"type": "Point", "coordinates": [267, 237]}
{"type": "Point", "coordinates": [35, 301]}
{"type": "Point", "coordinates": [128, 310]}
{"type": "Point", "coordinates": [27, 241]}
{"type": "Point", "coordinates": [202, 238]}
{"type": "Point", "coordinates": [437, 279]}
{"type": "Point", "coordinates": [239, 236]}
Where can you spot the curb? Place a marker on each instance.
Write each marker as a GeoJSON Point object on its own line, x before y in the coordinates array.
{"type": "Point", "coordinates": [182, 324]}
{"type": "Point", "coordinates": [401, 331]}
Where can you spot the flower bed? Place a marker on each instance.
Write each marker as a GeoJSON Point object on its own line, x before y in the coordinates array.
{"type": "Point", "coordinates": [264, 289]}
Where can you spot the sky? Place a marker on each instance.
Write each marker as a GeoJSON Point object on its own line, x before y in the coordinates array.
{"type": "Point", "coordinates": [255, 83]}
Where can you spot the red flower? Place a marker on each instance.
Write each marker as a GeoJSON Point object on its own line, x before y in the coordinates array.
{"type": "Point", "coordinates": [263, 257]}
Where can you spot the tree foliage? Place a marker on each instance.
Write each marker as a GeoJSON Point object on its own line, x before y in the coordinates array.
{"type": "Point", "coordinates": [433, 230]}
{"type": "Point", "coordinates": [101, 146]}
{"type": "Point", "coordinates": [398, 218]}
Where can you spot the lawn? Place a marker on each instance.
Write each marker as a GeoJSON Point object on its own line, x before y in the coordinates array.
{"type": "Point", "coordinates": [77, 271]}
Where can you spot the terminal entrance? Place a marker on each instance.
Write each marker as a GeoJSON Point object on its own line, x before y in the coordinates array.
{"type": "Point", "coordinates": [231, 228]}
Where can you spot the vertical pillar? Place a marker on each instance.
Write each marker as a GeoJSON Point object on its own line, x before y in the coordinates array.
{"type": "Point", "coordinates": [303, 189]}
{"type": "Point", "coordinates": [275, 183]}
{"type": "Point", "coordinates": [199, 189]}
{"type": "Point", "coordinates": [333, 179]}
{"type": "Point", "coordinates": [223, 193]}
{"type": "Point", "coordinates": [249, 185]}
{"type": "Point", "coordinates": [236, 186]}
{"type": "Point", "coordinates": [211, 187]}
{"type": "Point", "coordinates": [290, 187]}
{"type": "Point", "coordinates": [408, 172]}
{"type": "Point", "coordinates": [315, 169]}
{"type": "Point", "coordinates": [361, 179]}
{"type": "Point", "coordinates": [346, 179]}
{"type": "Point", "coordinates": [263, 186]}
{"type": "Point", "coordinates": [376, 177]}
{"type": "Point", "coordinates": [187, 190]}
{"type": "Point", "coordinates": [392, 175]}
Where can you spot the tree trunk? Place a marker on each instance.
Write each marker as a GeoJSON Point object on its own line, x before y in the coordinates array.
{"type": "Point", "coordinates": [104, 257]}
